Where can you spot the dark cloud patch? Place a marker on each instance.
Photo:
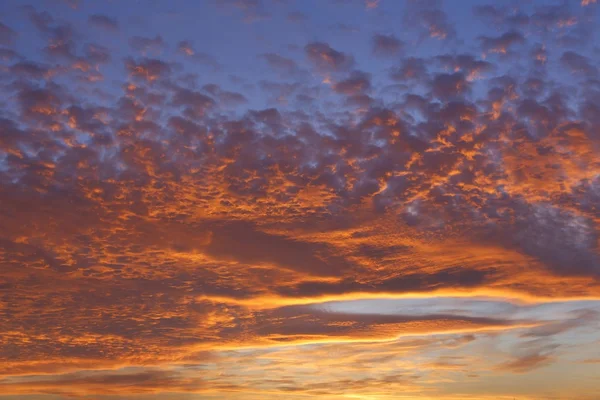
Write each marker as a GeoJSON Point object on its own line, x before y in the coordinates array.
{"type": "Point", "coordinates": [358, 82]}
{"type": "Point", "coordinates": [280, 63]}
{"type": "Point", "coordinates": [579, 318]}
{"type": "Point", "coordinates": [326, 58]}
{"type": "Point", "coordinates": [501, 44]}
{"type": "Point", "coordinates": [411, 69]}
{"type": "Point", "coordinates": [186, 48]}
{"type": "Point", "coordinates": [7, 35]}
{"type": "Point", "coordinates": [97, 54]}
{"type": "Point", "coordinates": [60, 36]}
{"type": "Point", "coordinates": [36, 102]}
{"type": "Point", "coordinates": [147, 44]}
{"type": "Point", "coordinates": [104, 22]}
{"type": "Point", "coordinates": [252, 10]}
{"type": "Point", "coordinates": [254, 246]}
{"type": "Point", "coordinates": [42, 20]}
{"type": "Point", "coordinates": [430, 19]}
{"type": "Point", "coordinates": [550, 17]}
{"type": "Point", "coordinates": [502, 16]}
{"type": "Point", "coordinates": [386, 45]}
{"type": "Point", "coordinates": [466, 63]}
{"type": "Point", "coordinates": [361, 101]}
{"type": "Point", "coordinates": [449, 86]}
{"type": "Point", "coordinates": [231, 99]}
{"type": "Point", "coordinates": [8, 54]}
{"type": "Point", "coordinates": [531, 355]}
{"type": "Point", "coordinates": [539, 55]}
{"type": "Point", "coordinates": [29, 69]}
{"type": "Point", "coordinates": [195, 103]}
{"type": "Point", "coordinates": [333, 324]}
{"type": "Point", "coordinates": [578, 64]}
{"type": "Point", "coordinates": [534, 87]}
{"type": "Point", "coordinates": [106, 382]}
{"type": "Point", "coordinates": [527, 363]}
{"type": "Point", "coordinates": [278, 92]}
{"type": "Point", "coordinates": [149, 69]}
{"type": "Point", "coordinates": [404, 283]}
{"type": "Point", "coordinates": [563, 240]}
{"type": "Point", "coordinates": [224, 97]}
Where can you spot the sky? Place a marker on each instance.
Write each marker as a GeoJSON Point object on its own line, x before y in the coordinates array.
{"type": "Point", "coordinates": [310, 199]}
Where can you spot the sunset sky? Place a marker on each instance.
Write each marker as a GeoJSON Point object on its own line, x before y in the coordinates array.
{"type": "Point", "coordinates": [296, 200]}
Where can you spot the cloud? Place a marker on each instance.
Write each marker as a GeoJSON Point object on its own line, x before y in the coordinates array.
{"type": "Point", "coordinates": [60, 36]}
{"type": "Point", "coordinates": [184, 47]}
{"type": "Point", "coordinates": [196, 104]}
{"type": "Point", "coordinates": [430, 20]}
{"type": "Point", "coordinates": [146, 44]}
{"type": "Point", "coordinates": [334, 326]}
{"type": "Point", "coordinates": [256, 247]}
{"type": "Point", "coordinates": [565, 241]}
{"type": "Point", "coordinates": [29, 69]}
{"type": "Point", "coordinates": [322, 56]}
{"type": "Point", "coordinates": [578, 64]}
{"type": "Point", "coordinates": [356, 83]}
{"type": "Point", "coordinates": [7, 35]}
{"type": "Point", "coordinates": [501, 44]}
{"type": "Point", "coordinates": [386, 45]}
{"type": "Point", "coordinates": [103, 382]}
{"type": "Point", "coordinates": [280, 63]}
{"type": "Point", "coordinates": [197, 217]}
{"type": "Point", "coordinates": [447, 86]}
{"type": "Point", "coordinates": [252, 10]}
{"type": "Point", "coordinates": [526, 363]}
{"type": "Point", "coordinates": [533, 355]}
{"type": "Point", "coordinates": [467, 64]}
{"type": "Point", "coordinates": [411, 69]}
{"type": "Point", "coordinates": [104, 22]}
{"type": "Point", "coordinates": [149, 69]}
{"type": "Point", "coordinates": [578, 319]}
{"type": "Point", "coordinates": [39, 102]}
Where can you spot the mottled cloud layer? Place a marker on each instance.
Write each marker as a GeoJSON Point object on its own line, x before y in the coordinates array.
{"type": "Point", "coordinates": [184, 216]}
